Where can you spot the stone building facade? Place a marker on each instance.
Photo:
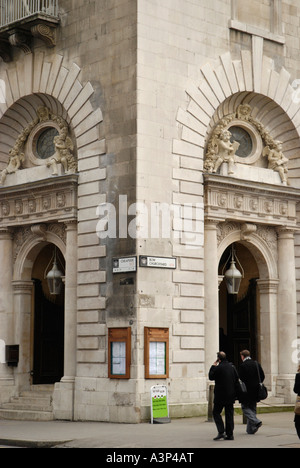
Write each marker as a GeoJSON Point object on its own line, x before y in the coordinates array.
{"type": "Point", "coordinates": [140, 140]}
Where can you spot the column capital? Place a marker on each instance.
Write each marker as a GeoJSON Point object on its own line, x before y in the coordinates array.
{"type": "Point", "coordinates": [268, 285]}
{"type": "Point", "coordinates": [22, 287]}
{"type": "Point", "coordinates": [70, 224]}
{"type": "Point", "coordinates": [211, 223]}
{"type": "Point", "coordinates": [6, 233]}
{"type": "Point", "coordinates": [285, 232]}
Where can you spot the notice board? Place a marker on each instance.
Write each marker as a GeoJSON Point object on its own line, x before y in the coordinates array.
{"type": "Point", "coordinates": [159, 405]}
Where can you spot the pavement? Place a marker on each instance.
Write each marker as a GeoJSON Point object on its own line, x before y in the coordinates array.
{"type": "Point", "coordinates": [277, 431]}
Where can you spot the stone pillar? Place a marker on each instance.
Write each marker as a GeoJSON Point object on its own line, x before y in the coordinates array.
{"type": "Point", "coordinates": [268, 328]}
{"type": "Point", "coordinates": [6, 305]}
{"type": "Point", "coordinates": [63, 399]}
{"type": "Point", "coordinates": [211, 293]}
{"type": "Point", "coordinates": [287, 313]}
{"type": "Point", "coordinates": [22, 330]}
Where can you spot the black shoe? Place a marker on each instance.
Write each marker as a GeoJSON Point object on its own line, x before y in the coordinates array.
{"type": "Point", "coordinates": [229, 438]}
{"type": "Point", "coordinates": [257, 427]}
{"type": "Point", "coordinates": [220, 436]}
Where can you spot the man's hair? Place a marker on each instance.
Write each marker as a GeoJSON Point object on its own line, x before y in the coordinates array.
{"type": "Point", "coordinates": [221, 355]}
{"type": "Point", "coordinates": [245, 353]}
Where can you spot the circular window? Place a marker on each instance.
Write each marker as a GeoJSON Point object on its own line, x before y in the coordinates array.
{"type": "Point", "coordinates": [241, 136]}
{"type": "Point", "coordinates": [45, 143]}
{"type": "Point", "coordinates": [249, 139]}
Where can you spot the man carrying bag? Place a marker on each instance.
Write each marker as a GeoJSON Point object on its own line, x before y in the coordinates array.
{"type": "Point", "coordinates": [252, 374]}
{"type": "Point", "coordinates": [225, 376]}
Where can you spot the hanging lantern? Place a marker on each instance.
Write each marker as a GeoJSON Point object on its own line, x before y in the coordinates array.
{"type": "Point", "coordinates": [233, 276]}
{"type": "Point", "coordinates": [54, 278]}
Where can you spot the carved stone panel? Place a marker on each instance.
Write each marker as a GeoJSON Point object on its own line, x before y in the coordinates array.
{"type": "Point", "coordinates": [249, 202]}
{"type": "Point", "coordinates": [39, 202]}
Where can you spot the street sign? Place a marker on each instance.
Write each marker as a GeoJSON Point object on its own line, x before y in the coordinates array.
{"type": "Point", "coordinates": [124, 265]}
{"type": "Point", "coordinates": [158, 262]}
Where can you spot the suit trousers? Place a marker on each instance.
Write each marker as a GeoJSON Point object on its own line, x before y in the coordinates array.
{"type": "Point", "coordinates": [229, 418]}
{"type": "Point", "coordinates": [249, 410]}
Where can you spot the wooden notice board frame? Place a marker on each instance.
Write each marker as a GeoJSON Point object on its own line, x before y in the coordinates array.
{"type": "Point", "coordinates": [156, 353]}
{"type": "Point", "coordinates": [119, 359]}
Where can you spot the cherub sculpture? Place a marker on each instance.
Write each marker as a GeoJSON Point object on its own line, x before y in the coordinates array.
{"type": "Point", "coordinates": [225, 151]}
{"type": "Point", "coordinates": [14, 163]}
{"type": "Point", "coordinates": [277, 161]}
{"type": "Point", "coordinates": [64, 153]}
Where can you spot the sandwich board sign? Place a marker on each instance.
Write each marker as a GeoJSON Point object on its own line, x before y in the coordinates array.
{"type": "Point", "coordinates": [159, 405]}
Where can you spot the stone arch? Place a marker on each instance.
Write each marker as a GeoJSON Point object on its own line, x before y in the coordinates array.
{"type": "Point", "coordinates": [37, 78]}
{"type": "Point", "coordinates": [225, 85]}
{"type": "Point", "coordinates": [29, 252]}
{"type": "Point", "coordinates": [262, 253]}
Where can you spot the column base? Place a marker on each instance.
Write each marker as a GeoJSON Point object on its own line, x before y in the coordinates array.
{"type": "Point", "coordinates": [63, 399]}
{"type": "Point", "coordinates": [285, 388]}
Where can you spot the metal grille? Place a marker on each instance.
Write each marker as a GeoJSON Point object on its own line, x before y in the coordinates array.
{"type": "Point", "coordinates": [16, 10]}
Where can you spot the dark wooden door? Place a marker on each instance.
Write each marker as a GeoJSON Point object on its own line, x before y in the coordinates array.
{"type": "Point", "coordinates": [242, 325]}
{"type": "Point", "coordinates": [48, 362]}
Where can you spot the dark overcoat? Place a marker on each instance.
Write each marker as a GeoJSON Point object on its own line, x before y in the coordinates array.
{"type": "Point", "coordinates": [297, 384]}
{"type": "Point", "coordinates": [225, 377]}
{"type": "Point", "coordinates": [249, 375]}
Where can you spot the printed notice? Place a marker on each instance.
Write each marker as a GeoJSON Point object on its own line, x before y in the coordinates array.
{"type": "Point", "coordinates": [157, 358]}
{"type": "Point", "coordinates": [118, 358]}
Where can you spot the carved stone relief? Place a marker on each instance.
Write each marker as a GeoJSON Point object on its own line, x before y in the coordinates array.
{"type": "Point", "coordinates": [25, 148]}
{"type": "Point", "coordinates": [42, 201]}
{"type": "Point", "coordinates": [23, 234]}
{"type": "Point", "coordinates": [224, 201]}
{"type": "Point", "coordinates": [222, 146]}
{"type": "Point", "coordinates": [266, 233]}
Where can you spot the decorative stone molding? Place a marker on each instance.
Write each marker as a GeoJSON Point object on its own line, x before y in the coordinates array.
{"type": "Point", "coordinates": [21, 33]}
{"type": "Point", "coordinates": [37, 74]}
{"type": "Point", "coordinates": [229, 82]}
{"type": "Point", "coordinates": [46, 33]}
{"type": "Point", "coordinates": [46, 201]}
{"type": "Point", "coordinates": [21, 40]}
{"type": "Point", "coordinates": [220, 149]}
{"type": "Point", "coordinates": [25, 146]}
{"type": "Point", "coordinates": [247, 229]}
{"type": "Point", "coordinates": [259, 204]}
{"type": "Point", "coordinates": [39, 230]}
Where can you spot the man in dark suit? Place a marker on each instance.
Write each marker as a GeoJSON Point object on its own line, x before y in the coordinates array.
{"type": "Point", "coordinates": [249, 373]}
{"type": "Point", "coordinates": [225, 376]}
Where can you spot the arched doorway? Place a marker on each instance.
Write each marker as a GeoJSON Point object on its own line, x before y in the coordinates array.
{"type": "Point", "coordinates": [48, 321]}
{"type": "Point", "coordinates": [239, 313]}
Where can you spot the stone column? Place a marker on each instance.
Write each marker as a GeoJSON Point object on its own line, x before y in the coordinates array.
{"type": "Point", "coordinates": [268, 328]}
{"type": "Point", "coordinates": [63, 399]}
{"type": "Point", "coordinates": [6, 304]}
{"type": "Point", "coordinates": [287, 312]}
{"type": "Point", "coordinates": [22, 330]}
{"type": "Point", "coordinates": [211, 293]}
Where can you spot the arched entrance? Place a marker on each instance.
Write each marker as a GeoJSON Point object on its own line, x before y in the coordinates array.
{"type": "Point", "coordinates": [47, 321]}
{"type": "Point", "coordinates": [239, 313]}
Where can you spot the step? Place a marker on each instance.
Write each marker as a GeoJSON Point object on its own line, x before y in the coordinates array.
{"type": "Point", "coordinates": [26, 415]}
{"type": "Point", "coordinates": [27, 404]}
{"type": "Point", "coordinates": [31, 405]}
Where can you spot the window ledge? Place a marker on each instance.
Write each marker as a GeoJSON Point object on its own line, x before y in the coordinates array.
{"type": "Point", "coordinates": [246, 28]}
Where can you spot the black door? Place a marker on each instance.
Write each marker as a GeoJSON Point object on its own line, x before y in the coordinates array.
{"type": "Point", "coordinates": [48, 362]}
{"type": "Point", "coordinates": [242, 325]}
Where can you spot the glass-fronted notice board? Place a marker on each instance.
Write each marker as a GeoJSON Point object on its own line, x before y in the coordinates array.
{"type": "Point", "coordinates": [119, 353]}
{"type": "Point", "coordinates": [156, 353]}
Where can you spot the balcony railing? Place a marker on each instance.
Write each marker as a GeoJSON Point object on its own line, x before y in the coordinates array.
{"type": "Point", "coordinates": [12, 11]}
{"type": "Point", "coordinates": [23, 20]}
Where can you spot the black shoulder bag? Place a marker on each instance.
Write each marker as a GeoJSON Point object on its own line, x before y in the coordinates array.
{"type": "Point", "coordinates": [262, 390]}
